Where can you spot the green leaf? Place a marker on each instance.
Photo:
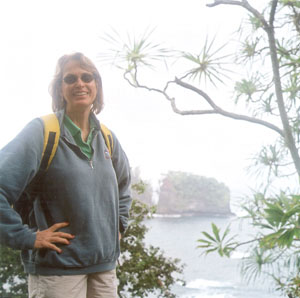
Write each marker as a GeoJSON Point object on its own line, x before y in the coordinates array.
{"type": "Point", "coordinates": [286, 239]}
{"type": "Point", "coordinates": [270, 227]}
{"type": "Point", "coordinates": [209, 236]}
{"type": "Point", "coordinates": [133, 52]}
{"type": "Point", "coordinates": [216, 232]}
{"type": "Point", "coordinates": [208, 64]}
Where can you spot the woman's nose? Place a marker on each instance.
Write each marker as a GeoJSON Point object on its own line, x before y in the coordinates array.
{"type": "Point", "coordinates": [79, 82]}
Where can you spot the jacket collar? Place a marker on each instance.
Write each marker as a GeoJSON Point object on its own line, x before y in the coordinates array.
{"type": "Point", "coordinates": [61, 114]}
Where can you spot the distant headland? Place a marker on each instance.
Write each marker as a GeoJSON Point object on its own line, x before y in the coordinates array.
{"type": "Point", "coordinates": [188, 195]}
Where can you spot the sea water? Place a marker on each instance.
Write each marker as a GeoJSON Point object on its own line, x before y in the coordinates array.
{"type": "Point", "coordinates": [206, 276]}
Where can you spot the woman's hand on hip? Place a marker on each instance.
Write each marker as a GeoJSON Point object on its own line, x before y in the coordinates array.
{"type": "Point", "coordinates": [47, 238]}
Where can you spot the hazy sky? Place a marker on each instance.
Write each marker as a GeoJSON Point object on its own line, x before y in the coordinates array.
{"type": "Point", "coordinates": [34, 34]}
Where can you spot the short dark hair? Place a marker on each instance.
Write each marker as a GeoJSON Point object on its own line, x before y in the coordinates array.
{"type": "Point", "coordinates": [58, 102]}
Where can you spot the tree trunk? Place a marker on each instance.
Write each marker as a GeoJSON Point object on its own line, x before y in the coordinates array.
{"type": "Point", "coordinates": [288, 136]}
{"type": "Point", "coordinates": [269, 28]}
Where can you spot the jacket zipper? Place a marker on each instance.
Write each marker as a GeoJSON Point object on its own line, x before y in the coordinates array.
{"type": "Point", "coordinates": [91, 164]}
{"type": "Point", "coordinates": [90, 161]}
{"type": "Point", "coordinates": [93, 140]}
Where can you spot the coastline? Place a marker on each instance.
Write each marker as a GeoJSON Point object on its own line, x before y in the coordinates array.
{"type": "Point", "coordinates": [194, 214]}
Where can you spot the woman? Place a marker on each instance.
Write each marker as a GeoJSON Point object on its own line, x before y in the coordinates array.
{"type": "Point", "coordinates": [87, 193]}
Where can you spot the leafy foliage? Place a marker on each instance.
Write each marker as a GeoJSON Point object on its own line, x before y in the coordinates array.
{"type": "Point", "coordinates": [274, 251]}
{"type": "Point", "coordinates": [208, 65]}
{"type": "Point", "coordinates": [132, 52]}
{"type": "Point", "coordinates": [13, 280]}
{"type": "Point", "coordinates": [144, 270]}
{"type": "Point", "coordinates": [217, 242]}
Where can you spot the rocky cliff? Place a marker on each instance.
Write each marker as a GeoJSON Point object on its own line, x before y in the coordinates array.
{"type": "Point", "coordinates": [189, 194]}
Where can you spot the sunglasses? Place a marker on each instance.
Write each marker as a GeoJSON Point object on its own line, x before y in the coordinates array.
{"type": "Point", "coordinates": [85, 77]}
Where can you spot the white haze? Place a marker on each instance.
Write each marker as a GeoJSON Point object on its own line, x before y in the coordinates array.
{"type": "Point", "coordinates": [36, 33]}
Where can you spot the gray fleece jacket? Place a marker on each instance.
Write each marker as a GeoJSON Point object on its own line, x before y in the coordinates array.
{"type": "Point", "coordinates": [93, 196]}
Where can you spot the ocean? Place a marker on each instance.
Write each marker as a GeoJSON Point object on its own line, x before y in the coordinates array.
{"type": "Point", "coordinates": [206, 276]}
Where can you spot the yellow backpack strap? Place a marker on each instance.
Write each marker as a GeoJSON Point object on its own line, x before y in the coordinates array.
{"type": "Point", "coordinates": [108, 138]}
{"type": "Point", "coordinates": [51, 139]}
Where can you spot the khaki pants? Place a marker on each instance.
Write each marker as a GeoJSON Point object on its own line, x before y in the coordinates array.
{"type": "Point", "coordinates": [95, 285]}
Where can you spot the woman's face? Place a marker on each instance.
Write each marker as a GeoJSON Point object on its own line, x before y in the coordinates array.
{"type": "Point", "coordinates": [79, 88]}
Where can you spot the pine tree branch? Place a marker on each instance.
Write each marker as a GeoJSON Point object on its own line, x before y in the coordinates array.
{"type": "Point", "coordinates": [218, 110]}
{"type": "Point", "coordinates": [215, 108]}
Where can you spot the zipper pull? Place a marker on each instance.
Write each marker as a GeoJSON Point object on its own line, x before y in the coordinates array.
{"type": "Point", "coordinates": [91, 164]}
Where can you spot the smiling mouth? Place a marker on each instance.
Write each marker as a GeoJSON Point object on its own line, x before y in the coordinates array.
{"type": "Point", "coordinates": [80, 93]}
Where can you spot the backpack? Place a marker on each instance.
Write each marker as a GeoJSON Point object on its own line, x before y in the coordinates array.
{"type": "Point", "coordinates": [24, 205]}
